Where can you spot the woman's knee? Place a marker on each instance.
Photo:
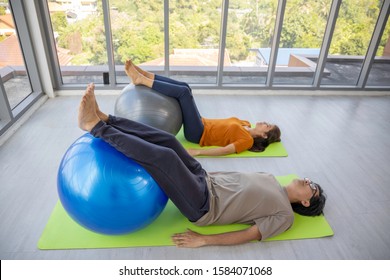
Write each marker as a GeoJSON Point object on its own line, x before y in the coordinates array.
{"type": "Point", "coordinates": [193, 136]}
{"type": "Point", "coordinates": [185, 91]}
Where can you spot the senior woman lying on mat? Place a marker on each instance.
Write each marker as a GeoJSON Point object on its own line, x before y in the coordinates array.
{"type": "Point", "coordinates": [232, 135]}
{"type": "Point", "coordinates": [204, 198]}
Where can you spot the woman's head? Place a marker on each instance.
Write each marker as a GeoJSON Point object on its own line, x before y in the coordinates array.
{"type": "Point", "coordinates": [264, 134]}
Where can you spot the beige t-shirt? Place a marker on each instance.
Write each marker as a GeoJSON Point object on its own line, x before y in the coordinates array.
{"type": "Point", "coordinates": [248, 198]}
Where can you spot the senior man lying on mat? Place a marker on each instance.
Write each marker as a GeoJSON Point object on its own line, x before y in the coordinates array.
{"type": "Point", "coordinates": [205, 198]}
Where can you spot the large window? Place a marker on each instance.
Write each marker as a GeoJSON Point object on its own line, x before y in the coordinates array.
{"type": "Point", "coordinates": [194, 33]}
{"type": "Point", "coordinates": [351, 38]}
{"type": "Point", "coordinates": [300, 41]}
{"type": "Point", "coordinates": [80, 40]}
{"type": "Point", "coordinates": [249, 35]}
{"type": "Point", "coordinates": [184, 39]}
{"type": "Point", "coordinates": [20, 84]}
{"type": "Point", "coordinates": [380, 71]}
{"type": "Point", "coordinates": [138, 33]}
{"type": "Point", "coordinates": [12, 67]}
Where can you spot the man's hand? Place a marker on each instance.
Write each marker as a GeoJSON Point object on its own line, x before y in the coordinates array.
{"type": "Point", "coordinates": [191, 239]}
{"type": "Point", "coordinates": [188, 239]}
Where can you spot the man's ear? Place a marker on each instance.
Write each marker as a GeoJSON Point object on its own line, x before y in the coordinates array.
{"type": "Point", "coordinates": [264, 135]}
{"type": "Point", "coordinates": [305, 203]}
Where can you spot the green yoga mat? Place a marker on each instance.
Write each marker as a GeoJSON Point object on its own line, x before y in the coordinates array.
{"type": "Point", "coordinates": [62, 232]}
{"type": "Point", "coordinates": [273, 150]}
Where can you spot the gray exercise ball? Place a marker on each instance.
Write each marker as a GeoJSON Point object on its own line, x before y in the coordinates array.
{"type": "Point", "coordinates": [147, 106]}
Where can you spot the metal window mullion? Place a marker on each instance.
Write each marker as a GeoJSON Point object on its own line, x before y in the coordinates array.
{"type": "Point", "coordinates": [374, 43]}
{"type": "Point", "coordinates": [5, 108]}
{"type": "Point", "coordinates": [222, 45]}
{"type": "Point", "coordinates": [43, 14]}
{"type": "Point", "coordinates": [43, 17]}
{"type": "Point", "coordinates": [329, 30]}
{"type": "Point", "coordinates": [25, 44]}
{"type": "Point", "coordinates": [275, 42]}
{"type": "Point", "coordinates": [109, 45]}
{"type": "Point", "coordinates": [166, 37]}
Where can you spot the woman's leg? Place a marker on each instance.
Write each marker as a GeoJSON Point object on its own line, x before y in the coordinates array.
{"type": "Point", "coordinates": [171, 81]}
{"type": "Point", "coordinates": [192, 120]}
{"type": "Point", "coordinates": [153, 76]}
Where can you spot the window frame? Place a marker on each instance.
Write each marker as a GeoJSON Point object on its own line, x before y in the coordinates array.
{"type": "Point", "coordinates": [9, 116]}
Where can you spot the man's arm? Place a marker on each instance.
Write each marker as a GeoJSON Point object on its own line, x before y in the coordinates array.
{"type": "Point", "coordinates": [220, 151]}
{"type": "Point", "coordinates": [191, 239]}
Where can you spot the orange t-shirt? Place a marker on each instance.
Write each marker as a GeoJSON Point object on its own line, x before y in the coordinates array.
{"type": "Point", "coordinates": [222, 132]}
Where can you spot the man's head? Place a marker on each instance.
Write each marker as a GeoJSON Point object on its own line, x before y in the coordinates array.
{"type": "Point", "coordinates": [307, 198]}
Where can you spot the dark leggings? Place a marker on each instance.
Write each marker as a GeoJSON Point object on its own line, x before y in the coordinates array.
{"type": "Point", "coordinates": [192, 120]}
{"type": "Point", "coordinates": [179, 175]}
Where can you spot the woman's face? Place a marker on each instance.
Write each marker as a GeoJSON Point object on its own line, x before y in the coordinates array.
{"type": "Point", "coordinates": [262, 128]}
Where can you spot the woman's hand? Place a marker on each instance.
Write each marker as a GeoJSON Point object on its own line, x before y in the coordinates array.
{"type": "Point", "coordinates": [218, 151]}
{"type": "Point", "coordinates": [193, 152]}
{"type": "Point", "coordinates": [189, 239]}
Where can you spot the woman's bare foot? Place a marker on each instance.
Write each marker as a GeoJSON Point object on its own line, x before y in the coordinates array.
{"type": "Point", "coordinates": [137, 77]}
{"type": "Point", "coordinates": [88, 117]}
{"type": "Point", "coordinates": [143, 72]}
{"type": "Point", "coordinates": [134, 75]}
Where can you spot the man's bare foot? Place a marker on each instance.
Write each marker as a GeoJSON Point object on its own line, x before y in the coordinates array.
{"type": "Point", "coordinates": [143, 72]}
{"type": "Point", "coordinates": [134, 75]}
{"type": "Point", "coordinates": [101, 115]}
{"type": "Point", "coordinates": [88, 117]}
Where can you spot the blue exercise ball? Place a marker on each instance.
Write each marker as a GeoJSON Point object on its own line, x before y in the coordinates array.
{"type": "Point", "coordinates": [105, 191]}
{"type": "Point", "coordinates": [147, 106]}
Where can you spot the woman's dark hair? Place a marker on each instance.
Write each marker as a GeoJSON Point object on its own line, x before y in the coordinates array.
{"type": "Point", "coordinates": [260, 143]}
{"type": "Point", "coordinates": [317, 204]}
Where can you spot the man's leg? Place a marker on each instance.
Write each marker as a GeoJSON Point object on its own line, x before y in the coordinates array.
{"type": "Point", "coordinates": [187, 190]}
{"type": "Point", "coordinates": [155, 136]}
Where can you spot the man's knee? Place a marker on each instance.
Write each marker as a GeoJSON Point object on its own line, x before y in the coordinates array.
{"type": "Point", "coordinates": [167, 156]}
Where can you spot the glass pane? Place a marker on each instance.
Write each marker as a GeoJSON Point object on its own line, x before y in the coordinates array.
{"type": "Point", "coordinates": [194, 30]}
{"type": "Point", "coordinates": [380, 71]}
{"type": "Point", "coordinates": [78, 28]}
{"type": "Point", "coordinates": [138, 33]}
{"type": "Point", "coordinates": [249, 31]}
{"type": "Point", "coordinates": [12, 68]}
{"type": "Point", "coordinates": [300, 41]}
{"type": "Point", "coordinates": [352, 35]}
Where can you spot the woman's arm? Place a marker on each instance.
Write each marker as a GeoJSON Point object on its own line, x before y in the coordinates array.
{"type": "Point", "coordinates": [191, 239]}
{"type": "Point", "coordinates": [220, 151]}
